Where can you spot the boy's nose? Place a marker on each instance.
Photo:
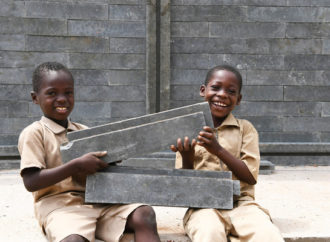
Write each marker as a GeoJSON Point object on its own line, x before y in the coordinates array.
{"type": "Point", "coordinates": [221, 93]}
{"type": "Point", "coordinates": [61, 99]}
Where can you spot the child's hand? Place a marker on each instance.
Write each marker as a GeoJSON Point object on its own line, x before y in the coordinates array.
{"type": "Point", "coordinates": [186, 150]}
{"type": "Point", "coordinates": [207, 139]}
{"type": "Point", "coordinates": [90, 162]}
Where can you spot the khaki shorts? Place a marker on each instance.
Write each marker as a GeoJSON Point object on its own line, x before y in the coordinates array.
{"type": "Point", "coordinates": [104, 222]}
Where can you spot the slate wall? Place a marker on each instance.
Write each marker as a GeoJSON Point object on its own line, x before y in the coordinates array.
{"type": "Point", "coordinates": [103, 42]}
{"type": "Point", "coordinates": [282, 48]}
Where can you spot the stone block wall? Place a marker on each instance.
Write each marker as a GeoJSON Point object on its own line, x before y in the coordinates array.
{"type": "Point", "coordinates": [282, 50]}
{"type": "Point", "coordinates": [102, 42]}
{"type": "Point", "coordinates": [124, 68]}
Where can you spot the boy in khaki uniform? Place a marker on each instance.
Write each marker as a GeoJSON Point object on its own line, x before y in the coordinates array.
{"type": "Point", "coordinates": [57, 187]}
{"type": "Point", "coordinates": [231, 146]}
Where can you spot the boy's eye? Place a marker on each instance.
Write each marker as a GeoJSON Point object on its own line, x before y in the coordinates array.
{"type": "Point", "coordinates": [232, 91]}
{"type": "Point", "coordinates": [51, 93]}
{"type": "Point", "coordinates": [215, 87]}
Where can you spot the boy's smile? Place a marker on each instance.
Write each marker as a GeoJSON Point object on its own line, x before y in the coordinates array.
{"type": "Point", "coordinates": [223, 94]}
{"type": "Point", "coordinates": [55, 96]}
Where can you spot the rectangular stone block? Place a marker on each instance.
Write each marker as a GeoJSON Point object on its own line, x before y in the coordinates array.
{"type": "Point", "coordinates": [29, 59]}
{"type": "Point", "coordinates": [263, 93]}
{"type": "Point", "coordinates": [241, 61]}
{"type": "Point", "coordinates": [107, 77]}
{"type": "Point", "coordinates": [123, 93]}
{"type": "Point", "coordinates": [12, 42]}
{"type": "Point", "coordinates": [208, 13]}
{"type": "Point", "coordinates": [127, 12]}
{"type": "Point", "coordinates": [148, 162]}
{"type": "Point", "coordinates": [264, 123]}
{"type": "Point", "coordinates": [67, 44]}
{"type": "Point", "coordinates": [287, 136]}
{"type": "Point", "coordinates": [186, 92]}
{"type": "Point", "coordinates": [91, 110]}
{"type": "Point", "coordinates": [189, 29]}
{"type": "Point", "coordinates": [13, 126]}
{"type": "Point", "coordinates": [15, 75]}
{"type": "Point", "coordinates": [326, 109]}
{"type": "Point", "coordinates": [14, 109]}
{"type": "Point", "coordinates": [12, 25]}
{"type": "Point", "coordinates": [12, 8]}
{"type": "Point", "coordinates": [107, 28]}
{"type": "Point", "coordinates": [281, 78]}
{"type": "Point", "coordinates": [191, 61]}
{"type": "Point", "coordinates": [107, 61]}
{"type": "Point", "coordinates": [65, 10]}
{"type": "Point", "coordinates": [295, 46]}
{"type": "Point", "coordinates": [187, 76]}
{"type": "Point", "coordinates": [149, 118]}
{"type": "Point", "coordinates": [247, 30]}
{"type": "Point", "coordinates": [230, 2]}
{"type": "Point", "coordinates": [12, 92]}
{"type": "Point", "coordinates": [127, 45]}
{"type": "Point", "coordinates": [162, 187]}
{"type": "Point", "coordinates": [307, 62]}
{"type": "Point", "coordinates": [127, 109]}
{"type": "Point", "coordinates": [312, 124]}
{"type": "Point", "coordinates": [308, 30]}
{"type": "Point", "coordinates": [135, 141]}
{"type": "Point", "coordinates": [286, 14]}
{"type": "Point", "coordinates": [307, 93]}
{"type": "Point", "coordinates": [270, 109]}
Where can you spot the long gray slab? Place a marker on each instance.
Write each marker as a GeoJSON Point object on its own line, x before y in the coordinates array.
{"type": "Point", "coordinates": [174, 188]}
{"type": "Point", "coordinates": [150, 118]}
{"type": "Point", "coordinates": [135, 141]}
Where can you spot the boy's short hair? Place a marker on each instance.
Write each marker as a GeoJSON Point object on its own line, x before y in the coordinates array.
{"type": "Point", "coordinates": [42, 69]}
{"type": "Point", "coordinates": [227, 68]}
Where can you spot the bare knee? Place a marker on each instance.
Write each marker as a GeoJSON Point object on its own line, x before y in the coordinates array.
{"type": "Point", "coordinates": [74, 238]}
{"type": "Point", "coordinates": [143, 217]}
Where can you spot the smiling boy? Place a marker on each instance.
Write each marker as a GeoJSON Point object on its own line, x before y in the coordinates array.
{"type": "Point", "coordinates": [231, 146]}
{"type": "Point", "coordinates": [58, 188]}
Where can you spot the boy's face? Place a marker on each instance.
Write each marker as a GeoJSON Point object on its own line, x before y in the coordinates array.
{"type": "Point", "coordinates": [223, 94]}
{"type": "Point", "coordinates": [55, 95]}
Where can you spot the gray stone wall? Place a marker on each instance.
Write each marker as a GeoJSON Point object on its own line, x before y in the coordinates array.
{"type": "Point", "coordinates": [282, 49]}
{"type": "Point", "coordinates": [102, 42]}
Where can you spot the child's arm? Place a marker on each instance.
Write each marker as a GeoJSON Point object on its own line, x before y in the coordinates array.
{"type": "Point", "coordinates": [36, 179]}
{"type": "Point", "coordinates": [207, 139]}
{"type": "Point", "coordinates": [187, 152]}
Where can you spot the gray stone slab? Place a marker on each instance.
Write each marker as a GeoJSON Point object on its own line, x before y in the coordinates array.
{"type": "Point", "coordinates": [135, 141]}
{"type": "Point", "coordinates": [294, 148]}
{"type": "Point", "coordinates": [203, 107]}
{"type": "Point", "coordinates": [149, 162]}
{"type": "Point", "coordinates": [155, 188]}
{"type": "Point", "coordinates": [167, 172]}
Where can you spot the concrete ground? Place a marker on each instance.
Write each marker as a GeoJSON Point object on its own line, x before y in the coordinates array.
{"type": "Point", "coordinates": [297, 198]}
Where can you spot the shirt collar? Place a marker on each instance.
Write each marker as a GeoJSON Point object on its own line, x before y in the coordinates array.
{"type": "Point", "coordinates": [56, 128]}
{"type": "Point", "coordinates": [229, 121]}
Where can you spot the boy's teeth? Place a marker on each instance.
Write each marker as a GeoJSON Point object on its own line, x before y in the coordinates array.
{"type": "Point", "coordinates": [220, 104]}
{"type": "Point", "coordinates": [61, 108]}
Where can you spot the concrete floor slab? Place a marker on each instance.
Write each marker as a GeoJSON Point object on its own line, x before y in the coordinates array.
{"type": "Point", "coordinates": [297, 198]}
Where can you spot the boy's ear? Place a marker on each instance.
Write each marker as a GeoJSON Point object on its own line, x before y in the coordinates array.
{"type": "Point", "coordinates": [239, 99]}
{"type": "Point", "coordinates": [202, 90]}
{"type": "Point", "coordinates": [34, 97]}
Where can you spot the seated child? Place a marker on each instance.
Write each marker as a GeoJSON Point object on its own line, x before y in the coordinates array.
{"type": "Point", "coordinates": [231, 146]}
{"type": "Point", "coordinates": [58, 188]}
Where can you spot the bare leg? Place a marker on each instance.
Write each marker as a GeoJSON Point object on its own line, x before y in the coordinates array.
{"type": "Point", "coordinates": [143, 222]}
{"type": "Point", "coordinates": [74, 238]}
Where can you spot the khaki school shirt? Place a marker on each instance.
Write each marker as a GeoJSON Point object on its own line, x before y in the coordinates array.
{"type": "Point", "coordinates": [39, 146]}
{"type": "Point", "coordinates": [240, 138]}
